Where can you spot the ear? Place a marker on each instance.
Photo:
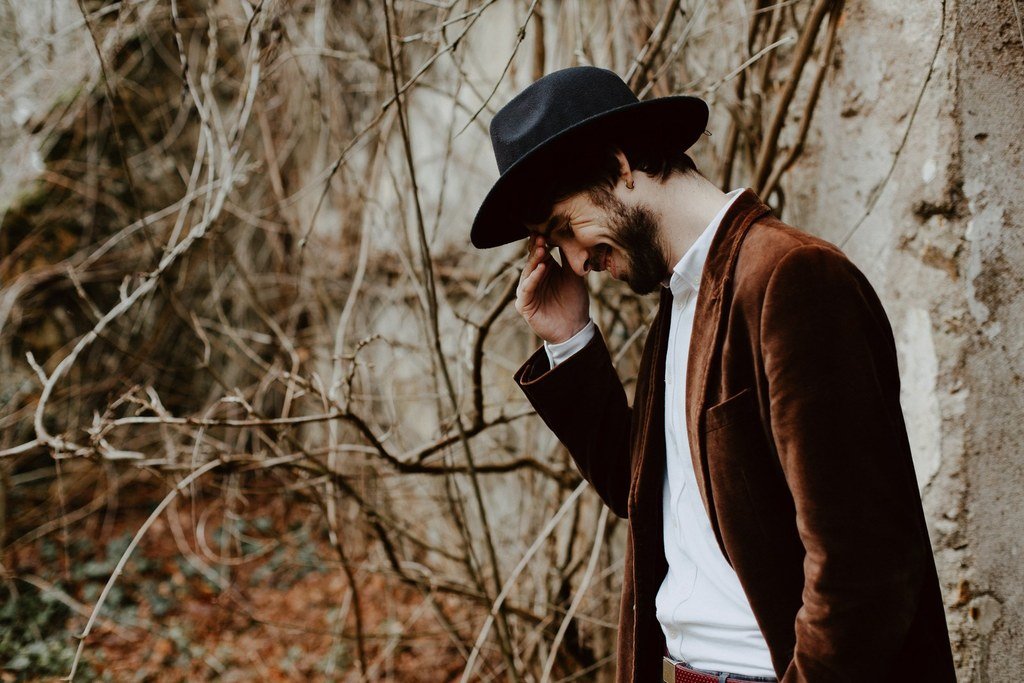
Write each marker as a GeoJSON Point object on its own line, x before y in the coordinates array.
{"type": "Point", "coordinates": [625, 172]}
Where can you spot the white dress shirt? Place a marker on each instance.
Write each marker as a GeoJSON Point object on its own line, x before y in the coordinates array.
{"type": "Point", "coordinates": [703, 611]}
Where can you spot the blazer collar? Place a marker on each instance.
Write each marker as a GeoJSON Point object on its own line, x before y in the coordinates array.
{"type": "Point", "coordinates": [721, 258]}
{"type": "Point", "coordinates": [686, 274]}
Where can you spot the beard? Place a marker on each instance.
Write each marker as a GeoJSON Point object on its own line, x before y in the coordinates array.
{"type": "Point", "coordinates": [636, 230]}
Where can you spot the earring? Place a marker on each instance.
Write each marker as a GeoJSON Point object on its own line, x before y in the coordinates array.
{"type": "Point", "coordinates": [629, 184]}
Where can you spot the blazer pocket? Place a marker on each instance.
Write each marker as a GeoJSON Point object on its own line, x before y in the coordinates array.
{"type": "Point", "coordinates": [740, 405]}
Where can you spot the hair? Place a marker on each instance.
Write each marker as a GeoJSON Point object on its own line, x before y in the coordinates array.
{"type": "Point", "coordinates": [576, 165]}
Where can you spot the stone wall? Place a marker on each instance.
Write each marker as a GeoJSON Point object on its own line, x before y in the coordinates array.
{"type": "Point", "coordinates": [914, 168]}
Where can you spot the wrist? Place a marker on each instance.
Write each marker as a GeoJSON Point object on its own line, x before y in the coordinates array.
{"type": "Point", "coordinates": [557, 353]}
{"type": "Point", "coordinates": [573, 331]}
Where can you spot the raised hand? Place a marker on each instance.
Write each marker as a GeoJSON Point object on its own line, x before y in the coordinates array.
{"type": "Point", "coordinates": [551, 298]}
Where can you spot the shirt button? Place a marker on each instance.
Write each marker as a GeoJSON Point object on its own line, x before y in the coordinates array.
{"type": "Point", "coordinates": [672, 634]}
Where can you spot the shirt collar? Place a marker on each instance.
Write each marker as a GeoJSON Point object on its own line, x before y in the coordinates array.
{"type": "Point", "coordinates": [686, 274]}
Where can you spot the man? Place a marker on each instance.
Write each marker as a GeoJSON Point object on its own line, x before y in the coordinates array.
{"type": "Point", "coordinates": [775, 525]}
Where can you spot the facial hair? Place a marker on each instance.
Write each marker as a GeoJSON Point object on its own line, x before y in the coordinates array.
{"type": "Point", "coordinates": [636, 230]}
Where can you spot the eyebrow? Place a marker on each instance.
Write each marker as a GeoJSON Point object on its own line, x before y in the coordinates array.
{"type": "Point", "coordinates": [555, 219]}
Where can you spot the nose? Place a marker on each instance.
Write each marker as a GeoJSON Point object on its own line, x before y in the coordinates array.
{"type": "Point", "coordinates": [577, 258]}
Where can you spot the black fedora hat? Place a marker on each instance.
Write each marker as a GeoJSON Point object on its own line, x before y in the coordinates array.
{"type": "Point", "coordinates": [564, 103]}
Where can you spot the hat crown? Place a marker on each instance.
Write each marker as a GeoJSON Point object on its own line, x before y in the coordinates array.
{"type": "Point", "coordinates": [552, 104]}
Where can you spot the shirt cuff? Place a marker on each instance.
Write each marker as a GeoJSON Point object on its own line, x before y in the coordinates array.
{"type": "Point", "coordinates": [561, 351]}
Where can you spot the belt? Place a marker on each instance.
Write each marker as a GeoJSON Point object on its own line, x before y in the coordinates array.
{"type": "Point", "coordinates": [676, 672]}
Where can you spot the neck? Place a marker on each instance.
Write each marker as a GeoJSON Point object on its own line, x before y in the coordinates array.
{"type": "Point", "coordinates": [686, 204]}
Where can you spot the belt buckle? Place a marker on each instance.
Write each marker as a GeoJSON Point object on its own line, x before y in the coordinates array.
{"type": "Point", "coordinates": [668, 670]}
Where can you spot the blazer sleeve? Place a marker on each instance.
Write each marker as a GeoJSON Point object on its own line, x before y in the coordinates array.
{"type": "Point", "coordinates": [582, 401]}
{"type": "Point", "coordinates": [833, 384]}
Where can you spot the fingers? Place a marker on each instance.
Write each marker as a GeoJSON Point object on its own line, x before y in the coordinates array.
{"type": "Point", "coordinates": [532, 274]}
{"type": "Point", "coordinates": [538, 253]}
{"type": "Point", "coordinates": [531, 271]}
{"type": "Point", "coordinates": [528, 289]}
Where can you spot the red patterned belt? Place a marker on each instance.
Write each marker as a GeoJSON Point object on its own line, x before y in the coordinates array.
{"type": "Point", "coordinates": [675, 672]}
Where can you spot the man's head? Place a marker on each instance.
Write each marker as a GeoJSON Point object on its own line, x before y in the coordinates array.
{"type": "Point", "coordinates": [599, 206]}
{"type": "Point", "coordinates": [581, 103]}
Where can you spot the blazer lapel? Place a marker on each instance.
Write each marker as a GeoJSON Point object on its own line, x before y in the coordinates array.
{"type": "Point", "coordinates": [708, 324]}
{"type": "Point", "coordinates": [649, 407]}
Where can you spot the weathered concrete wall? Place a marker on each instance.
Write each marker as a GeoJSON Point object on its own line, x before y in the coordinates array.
{"type": "Point", "coordinates": [914, 169]}
{"type": "Point", "coordinates": [990, 111]}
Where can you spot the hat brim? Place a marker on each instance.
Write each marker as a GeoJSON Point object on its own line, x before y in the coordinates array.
{"type": "Point", "coordinates": [680, 118]}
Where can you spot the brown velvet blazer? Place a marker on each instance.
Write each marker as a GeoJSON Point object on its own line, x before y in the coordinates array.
{"type": "Point", "coordinates": [800, 452]}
